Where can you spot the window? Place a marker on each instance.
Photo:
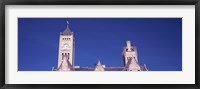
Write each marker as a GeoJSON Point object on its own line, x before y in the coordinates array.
{"type": "Point", "coordinates": [67, 38]}
{"type": "Point", "coordinates": [68, 55]}
{"type": "Point", "coordinates": [64, 38]}
{"type": "Point", "coordinates": [128, 58]}
{"type": "Point", "coordinates": [132, 49]}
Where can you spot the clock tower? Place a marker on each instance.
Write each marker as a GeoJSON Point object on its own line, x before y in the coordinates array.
{"type": "Point", "coordinates": [66, 50]}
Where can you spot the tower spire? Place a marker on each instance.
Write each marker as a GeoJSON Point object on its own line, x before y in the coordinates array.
{"type": "Point", "coordinates": [98, 63]}
{"type": "Point", "coordinates": [99, 67]}
{"type": "Point", "coordinates": [128, 43]}
{"type": "Point", "coordinates": [67, 31]}
{"type": "Point", "coordinates": [67, 24]}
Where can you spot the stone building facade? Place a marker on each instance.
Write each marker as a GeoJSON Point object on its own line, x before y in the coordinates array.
{"type": "Point", "coordinates": [67, 50]}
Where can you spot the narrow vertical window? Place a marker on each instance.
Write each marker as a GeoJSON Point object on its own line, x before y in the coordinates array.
{"type": "Point", "coordinates": [132, 49]}
{"type": "Point", "coordinates": [68, 55]}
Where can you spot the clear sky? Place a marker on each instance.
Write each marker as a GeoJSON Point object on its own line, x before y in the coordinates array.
{"type": "Point", "coordinates": [158, 41]}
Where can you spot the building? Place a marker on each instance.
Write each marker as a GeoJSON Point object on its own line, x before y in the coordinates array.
{"type": "Point", "coordinates": [67, 52]}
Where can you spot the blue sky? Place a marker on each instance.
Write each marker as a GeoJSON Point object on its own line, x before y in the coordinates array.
{"type": "Point", "coordinates": [158, 41]}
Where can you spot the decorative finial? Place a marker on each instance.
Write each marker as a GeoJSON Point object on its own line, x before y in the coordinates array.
{"type": "Point", "coordinates": [67, 24]}
{"type": "Point", "coordinates": [128, 43]}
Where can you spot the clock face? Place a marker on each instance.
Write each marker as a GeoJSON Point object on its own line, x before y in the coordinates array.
{"type": "Point", "coordinates": [66, 45]}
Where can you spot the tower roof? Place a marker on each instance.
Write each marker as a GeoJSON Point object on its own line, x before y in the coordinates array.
{"type": "Point", "coordinates": [67, 31]}
{"type": "Point", "coordinates": [98, 63]}
{"type": "Point", "coordinates": [128, 43]}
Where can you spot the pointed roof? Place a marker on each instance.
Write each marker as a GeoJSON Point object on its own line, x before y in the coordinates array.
{"type": "Point", "coordinates": [98, 63]}
{"type": "Point", "coordinates": [99, 67]}
{"type": "Point", "coordinates": [67, 31]}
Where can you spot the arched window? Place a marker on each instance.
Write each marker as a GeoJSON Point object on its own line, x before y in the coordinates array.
{"type": "Point", "coordinates": [129, 58]}
{"type": "Point", "coordinates": [132, 49]}
{"type": "Point", "coordinates": [68, 55]}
